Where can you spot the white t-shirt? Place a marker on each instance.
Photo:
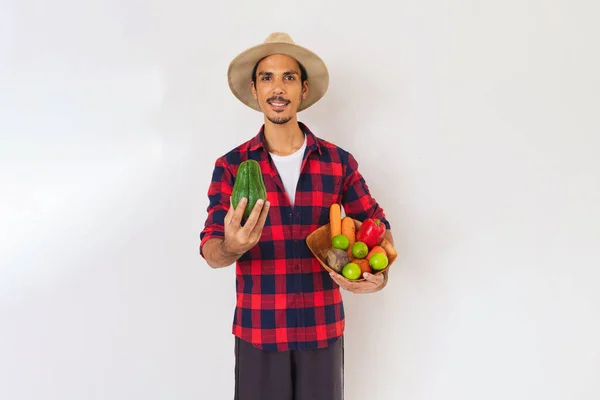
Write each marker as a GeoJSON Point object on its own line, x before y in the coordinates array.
{"type": "Point", "coordinates": [289, 170]}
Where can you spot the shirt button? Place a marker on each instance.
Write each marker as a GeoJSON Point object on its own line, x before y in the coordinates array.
{"type": "Point", "coordinates": [297, 267]}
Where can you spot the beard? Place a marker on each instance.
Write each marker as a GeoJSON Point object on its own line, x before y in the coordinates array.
{"type": "Point", "coordinates": [279, 120]}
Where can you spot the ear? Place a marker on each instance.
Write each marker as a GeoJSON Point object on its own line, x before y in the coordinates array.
{"type": "Point", "coordinates": [305, 90]}
{"type": "Point", "coordinates": [253, 90]}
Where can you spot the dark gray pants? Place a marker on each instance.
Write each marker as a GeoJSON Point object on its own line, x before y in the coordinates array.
{"type": "Point", "coordinates": [292, 375]}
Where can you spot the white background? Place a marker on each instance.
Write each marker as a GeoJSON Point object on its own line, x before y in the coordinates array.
{"type": "Point", "coordinates": [112, 114]}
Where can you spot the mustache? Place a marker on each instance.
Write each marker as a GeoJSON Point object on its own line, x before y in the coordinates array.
{"type": "Point", "coordinates": [277, 99]}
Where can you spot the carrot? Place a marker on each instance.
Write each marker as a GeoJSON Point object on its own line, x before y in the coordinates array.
{"type": "Point", "coordinates": [335, 219]}
{"type": "Point", "coordinates": [348, 230]}
{"type": "Point", "coordinates": [376, 249]}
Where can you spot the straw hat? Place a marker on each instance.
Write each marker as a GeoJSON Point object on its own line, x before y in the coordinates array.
{"type": "Point", "coordinates": [240, 69]}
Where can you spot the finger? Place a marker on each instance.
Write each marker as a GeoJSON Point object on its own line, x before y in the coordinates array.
{"type": "Point", "coordinates": [263, 217]}
{"type": "Point", "coordinates": [336, 277]}
{"type": "Point", "coordinates": [376, 279]}
{"type": "Point", "coordinates": [253, 217]}
{"type": "Point", "coordinates": [229, 213]}
{"type": "Point", "coordinates": [239, 212]}
{"type": "Point", "coordinates": [343, 282]}
{"type": "Point", "coordinates": [352, 286]}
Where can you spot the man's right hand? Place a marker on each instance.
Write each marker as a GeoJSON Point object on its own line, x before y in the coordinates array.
{"type": "Point", "coordinates": [239, 239]}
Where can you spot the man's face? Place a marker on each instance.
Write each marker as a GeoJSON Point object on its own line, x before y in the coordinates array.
{"type": "Point", "coordinates": [279, 89]}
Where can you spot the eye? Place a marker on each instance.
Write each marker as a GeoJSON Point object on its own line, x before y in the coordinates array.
{"type": "Point", "coordinates": [264, 78]}
{"type": "Point", "coordinates": [290, 77]}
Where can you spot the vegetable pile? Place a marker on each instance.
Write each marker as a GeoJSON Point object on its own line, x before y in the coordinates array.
{"type": "Point", "coordinates": [354, 252]}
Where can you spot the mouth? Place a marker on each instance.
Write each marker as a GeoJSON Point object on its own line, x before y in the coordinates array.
{"type": "Point", "coordinates": [278, 105]}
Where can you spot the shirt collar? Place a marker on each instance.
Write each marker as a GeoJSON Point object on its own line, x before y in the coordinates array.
{"type": "Point", "coordinates": [312, 142]}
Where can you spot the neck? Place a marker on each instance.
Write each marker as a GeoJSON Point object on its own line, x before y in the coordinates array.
{"type": "Point", "coordinates": [283, 139]}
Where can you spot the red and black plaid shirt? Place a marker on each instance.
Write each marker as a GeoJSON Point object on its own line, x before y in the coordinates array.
{"type": "Point", "coordinates": [285, 299]}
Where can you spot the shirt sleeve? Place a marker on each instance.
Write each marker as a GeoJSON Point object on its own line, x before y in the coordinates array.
{"type": "Point", "coordinates": [356, 197]}
{"type": "Point", "coordinates": [219, 193]}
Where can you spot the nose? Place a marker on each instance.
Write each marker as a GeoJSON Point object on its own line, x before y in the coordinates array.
{"type": "Point", "coordinates": [278, 86]}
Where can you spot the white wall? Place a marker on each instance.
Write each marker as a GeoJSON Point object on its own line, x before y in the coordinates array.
{"type": "Point", "coordinates": [113, 112]}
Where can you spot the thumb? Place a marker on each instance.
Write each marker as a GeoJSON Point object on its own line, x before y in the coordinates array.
{"type": "Point", "coordinates": [373, 278]}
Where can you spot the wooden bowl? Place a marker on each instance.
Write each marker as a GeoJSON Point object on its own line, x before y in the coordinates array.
{"type": "Point", "coordinates": [319, 243]}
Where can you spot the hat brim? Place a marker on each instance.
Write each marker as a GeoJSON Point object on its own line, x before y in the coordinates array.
{"type": "Point", "coordinates": [240, 72]}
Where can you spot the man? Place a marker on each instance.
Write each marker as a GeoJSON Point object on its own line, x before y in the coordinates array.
{"type": "Point", "coordinates": [289, 317]}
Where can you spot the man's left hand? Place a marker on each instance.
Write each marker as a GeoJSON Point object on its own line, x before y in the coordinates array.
{"type": "Point", "coordinates": [372, 283]}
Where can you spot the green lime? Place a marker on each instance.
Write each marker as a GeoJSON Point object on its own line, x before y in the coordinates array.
{"type": "Point", "coordinates": [340, 242]}
{"type": "Point", "coordinates": [351, 271]}
{"type": "Point", "coordinates": [360, 250]}
{"type": "Point", "coordinates": [378, 261]}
